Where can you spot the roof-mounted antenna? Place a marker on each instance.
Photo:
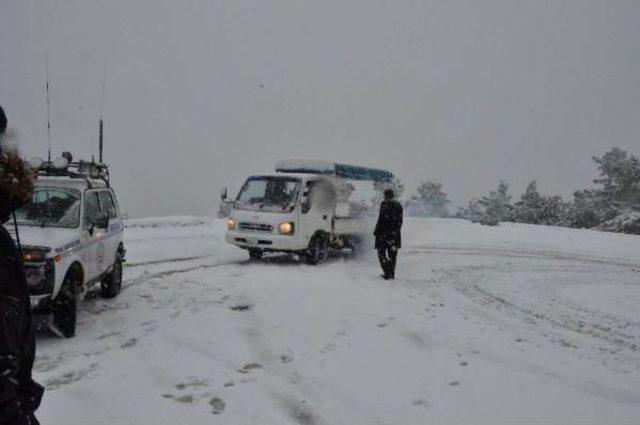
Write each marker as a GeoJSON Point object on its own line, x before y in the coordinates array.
{"type": "Point", "coordinates": [101, 122]}
{"type": "Point", "coordinates": [46, 70]}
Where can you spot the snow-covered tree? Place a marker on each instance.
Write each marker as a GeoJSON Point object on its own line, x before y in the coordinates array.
{"type": "Point", "coordinates": [535, 208]}
{"type": "Point", "coordinates": [620, 178]}
{"type": "Point", "coordinates": [496, 206]}
{"type": "Point", "coordinates": [430, 201]}
{"type": "Point", "coordinates": [554, 210]}
{"type": "Point", "coordinates": [473, 212]}
{"type": "Point", "coordinates": [585, 210]}
{"type": "Point", "coordinates": [529, 208]}
{"type": "Point", "coordinates": [615, 200]}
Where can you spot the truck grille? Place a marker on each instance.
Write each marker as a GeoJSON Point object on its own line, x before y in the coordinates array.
{"type": "Point", "coordinates": [255, 227]}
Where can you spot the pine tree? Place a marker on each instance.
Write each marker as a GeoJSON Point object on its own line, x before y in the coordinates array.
{"type": "Point", "coordinates": [496, 206]}
{"type": "Point", "coordinates": [620, 178]}
{"type": "Point", "coordinates": [473, 212]}
{"type": "Point", "coordinates": [529, 208]}
{"type": "Point", "coordinates": [430, 201]}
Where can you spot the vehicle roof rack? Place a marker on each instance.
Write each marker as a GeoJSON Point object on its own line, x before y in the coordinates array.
{"type": "Point", "coordinates": [350, 172]}
{"type": "Point", "coordinates": [66, 167]}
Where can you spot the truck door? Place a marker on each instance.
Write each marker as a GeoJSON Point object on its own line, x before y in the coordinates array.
{"type": "Point", "coordinates": [91, 234]}
{"type": "Point", "coordinates": [317, 210]}
{"type": "Point", "coordinates": [111, 239]}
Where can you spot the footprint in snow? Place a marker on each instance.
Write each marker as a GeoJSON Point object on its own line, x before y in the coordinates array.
{"type": "Point", "coordinates": [218, 405]}
{"type": "Point", "coordinates": [241, 307]}
{"type": "Point", "coordinates": [197, 383]}
{"type": "Point", "coordinates": [420, 402]}
{"type": "Point", "coordinates": [249, 367]}
{"type": "Point", "coordinates": [187, 398]}
{"type": "Point", "coordinates": [69, 377]}
{"type": "Point", "coordinates": [130, 343]}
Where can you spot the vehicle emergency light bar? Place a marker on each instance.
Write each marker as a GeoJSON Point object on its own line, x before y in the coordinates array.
{"type": "Point", "coordinates": [350, 172]}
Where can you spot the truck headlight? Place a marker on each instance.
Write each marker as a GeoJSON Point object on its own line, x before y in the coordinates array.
{"type": "Point", "coordinates": [34, 255]}
{"type": "Point", "coordinates": [286, 228]}
{"type": "Point", "coordinates": [231, 224]}
{"type": "Point", "coordinates": [40, 277]}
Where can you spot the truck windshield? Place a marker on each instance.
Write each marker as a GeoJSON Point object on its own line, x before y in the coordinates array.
{"type": "Point", "coordinates": [268, 193]}
{"type": "Point", "coordinates": [51, 207]}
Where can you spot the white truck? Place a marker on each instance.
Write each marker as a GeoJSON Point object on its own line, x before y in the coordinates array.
{"type": "Point", "coordinates": [302, 208]}
{"type": "Point", "coordinates": [71, 236]}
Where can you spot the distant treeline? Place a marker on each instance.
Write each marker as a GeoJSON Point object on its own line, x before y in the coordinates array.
{"type": "Point", "coordinates": [613, 205]}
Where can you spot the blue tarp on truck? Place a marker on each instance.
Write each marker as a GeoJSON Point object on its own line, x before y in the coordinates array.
{"type": "Point", "coordinates": [345, 171]}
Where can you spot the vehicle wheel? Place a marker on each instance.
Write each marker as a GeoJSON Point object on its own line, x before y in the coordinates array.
{"type": "Point", "coordinates": [255, 254]}
{"type": "Point", "coordinates": [112, 283]}
{"type": "Point", "coordinates": [324, 252]}
{"type": "Point", "coordinates": [318, 250]}
{"type": "Point", "coordinates": [355, 244]}
{"type": "Point", "coordinates": [65, 306]}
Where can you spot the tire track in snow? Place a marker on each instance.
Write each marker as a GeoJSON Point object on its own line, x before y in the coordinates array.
{"type": "Point", "coordinates": [519, 253]}
{"type": "Point", "coordinates": [589, 323]}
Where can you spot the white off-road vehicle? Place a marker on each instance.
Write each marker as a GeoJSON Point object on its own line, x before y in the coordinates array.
{"type": "Point", "coordinates": [71, 235]}
{"type": "Point", "coordinates": [303, 208]}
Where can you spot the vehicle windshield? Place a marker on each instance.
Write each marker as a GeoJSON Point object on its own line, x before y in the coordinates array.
{"type": "Point", "coordinates": [51, 207]}
{"type": "Point", "coordinates": [268, 193]}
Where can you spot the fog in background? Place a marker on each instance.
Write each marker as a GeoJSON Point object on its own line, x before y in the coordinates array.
{"type": "Point", "coordinates": [201, 93]}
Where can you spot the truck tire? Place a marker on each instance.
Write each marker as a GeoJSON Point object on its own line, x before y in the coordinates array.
{"type": "Point", "coordinates": [65, 306]}
{"type": "Point", "coordinates": [255, 254]}
{"type": "Point", "coordinates": [112, 282]}
{"type": "Point", "coordinates": [355, 244]}
{"type": "Point", "coordinates": [318, 250]}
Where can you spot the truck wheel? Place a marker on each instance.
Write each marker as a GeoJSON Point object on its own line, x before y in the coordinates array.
{"type": "Point", "coordinates": [111, 283]}
{"type": "Point", "coordinates": [318, 250]}
{"type": "Point", "coordinates": [255, 254]}
{"type": "Point", "coordinates": [356, 246]}
{"type": "Point", "coordinates": [65, 306]}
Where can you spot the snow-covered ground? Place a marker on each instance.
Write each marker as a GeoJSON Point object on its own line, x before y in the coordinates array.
{"type": "Point", "coordinates": [484, 325]}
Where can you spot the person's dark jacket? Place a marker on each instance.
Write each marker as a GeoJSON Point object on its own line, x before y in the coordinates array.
{"type": "Point", "coordinates": [388, 229]}
{"type": "Point", "coordinates": [19, 394]}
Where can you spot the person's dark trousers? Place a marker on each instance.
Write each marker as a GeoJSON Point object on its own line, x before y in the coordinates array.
{"type": "Point", "coordinates": [388, 257]}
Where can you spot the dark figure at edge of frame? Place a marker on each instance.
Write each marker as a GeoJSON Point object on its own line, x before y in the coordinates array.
{"type": "Point", "coordinates": [388, 234]}
{"type": "Point", "coordinates": [19, 395]}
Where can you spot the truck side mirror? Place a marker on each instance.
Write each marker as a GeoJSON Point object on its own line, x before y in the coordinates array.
{"type": "Point", "coordinates": [223, 194]}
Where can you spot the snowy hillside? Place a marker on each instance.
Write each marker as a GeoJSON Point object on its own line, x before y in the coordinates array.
{"type": "Point", "coordinates": [484, 325]}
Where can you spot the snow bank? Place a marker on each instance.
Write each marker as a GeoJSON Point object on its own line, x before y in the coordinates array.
{"type": "Point", "coordinates": [169, 221]}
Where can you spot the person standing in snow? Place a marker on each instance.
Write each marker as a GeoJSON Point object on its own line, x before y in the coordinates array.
{"type": "Point", "coordinates": [388, 234]}
{"type": "Point", "coordinates": [19, 395]}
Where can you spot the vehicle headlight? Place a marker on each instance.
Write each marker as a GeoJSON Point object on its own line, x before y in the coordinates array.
{"type": "Point", "coordinates": [231, 224]}
{"type": "Point", "coordinates": [286, 228]}
{"type": "Point", "coordinates": [34, 255]}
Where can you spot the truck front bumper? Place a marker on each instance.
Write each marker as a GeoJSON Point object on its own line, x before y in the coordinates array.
{"type": "Point", "coordinates": [265, 241]}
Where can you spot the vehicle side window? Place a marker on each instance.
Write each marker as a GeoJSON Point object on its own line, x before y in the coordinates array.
{"type": "Point", "coordinates": [91, 208]}
{"type": "Point", "coordinates": [106, 201]}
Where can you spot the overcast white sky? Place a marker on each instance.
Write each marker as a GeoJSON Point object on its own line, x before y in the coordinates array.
{"type": "Point", "coordinates": [201, 93]}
